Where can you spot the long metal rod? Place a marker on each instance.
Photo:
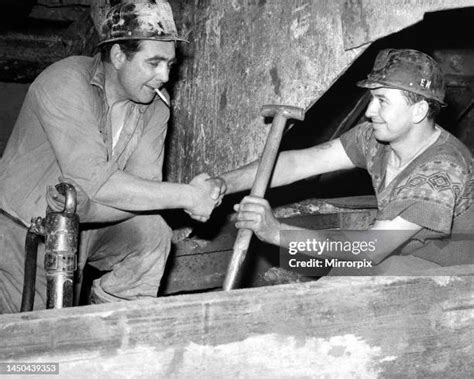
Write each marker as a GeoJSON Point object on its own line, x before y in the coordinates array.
{"type": "Point", "coordinates": [29, 277]}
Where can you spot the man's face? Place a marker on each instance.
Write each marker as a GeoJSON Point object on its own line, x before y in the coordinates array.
{"type": "Point", "coordinates": [390, 114]}
{"type": "Point", "coordinates": [148, 69]}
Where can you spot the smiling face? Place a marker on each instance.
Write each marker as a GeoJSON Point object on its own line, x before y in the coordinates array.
{"type": "Point", "coordinates": [391, 115]}
{"type": "Point", "coordinates": [148, 69]}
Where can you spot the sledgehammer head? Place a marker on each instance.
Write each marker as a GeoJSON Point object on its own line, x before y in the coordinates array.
{"type": "Point", "coordinates": [286, 111]}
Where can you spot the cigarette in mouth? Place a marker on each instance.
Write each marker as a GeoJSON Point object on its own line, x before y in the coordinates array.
{"type": "Point", "coordinates": [162, 97]}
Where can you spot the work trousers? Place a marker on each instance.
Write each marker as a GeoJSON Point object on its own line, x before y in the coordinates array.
{"type": "Point", "coordinates": [132, 252]}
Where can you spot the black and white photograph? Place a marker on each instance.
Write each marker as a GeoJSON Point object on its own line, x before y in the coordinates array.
{"type": "Point", "coordinates": [237, 189]}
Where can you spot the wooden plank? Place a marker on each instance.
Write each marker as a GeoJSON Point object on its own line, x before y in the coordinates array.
{"type": "Point", "coordinates": [64, 3]}
{"type": "Point", "coordinates": [355, 202]}
{"type": "Point", "coordinates": [70, 13]}
{"type": "Point", "coordinates": [344, 327]}
{"type": "Point", "coordinates": [27, 52]}
{"type": "Point", "coordinates": [197, 264]}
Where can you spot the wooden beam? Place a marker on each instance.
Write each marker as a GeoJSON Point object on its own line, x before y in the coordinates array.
{"type": "Point", "coordinates": [344, 327]}
{"type": "Point", "coordinates": [64, 3]}
{"type": "Point", "coordinates": [24, 54]}
{"type": "Point", "coordinates": [70, 13]}
{"type": "Point", "coordinates": [196, 264]}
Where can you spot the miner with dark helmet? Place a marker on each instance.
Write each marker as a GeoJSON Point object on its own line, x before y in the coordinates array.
{"type": "Point", "coordinates": [421, 174]}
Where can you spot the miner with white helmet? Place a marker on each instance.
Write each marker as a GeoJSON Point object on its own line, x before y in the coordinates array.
{"type": "Point", "coordinates": [99, 124]}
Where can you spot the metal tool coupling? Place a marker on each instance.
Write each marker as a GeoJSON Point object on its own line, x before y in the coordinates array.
{"type": "Point", "coordinates": [61, 241]}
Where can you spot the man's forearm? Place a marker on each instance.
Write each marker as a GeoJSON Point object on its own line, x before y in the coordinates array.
{"type": "Point", "coordinates": [130, 193]}
{"type": "Point", "coordinates": [292, 166]}
{"type": "Point", "coordinates": [100, 213]}
{"type": "Point", "coordinates": [243, 178]}
{"type": "Point", "coordinates": [240, 179]}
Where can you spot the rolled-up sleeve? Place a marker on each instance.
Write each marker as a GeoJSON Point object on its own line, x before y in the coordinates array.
{"type": "Point", "coordinates": [70, 116]}
{"type": "Point", "coordinates": [356, 143]}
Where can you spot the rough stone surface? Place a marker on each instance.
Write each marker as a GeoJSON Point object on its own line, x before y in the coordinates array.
{"type": "Point", "coordinates": [364, 21]}
{"type": "Point", "coordinates": [242, 55]}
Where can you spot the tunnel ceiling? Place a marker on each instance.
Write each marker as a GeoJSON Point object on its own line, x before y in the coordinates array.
{"type": "Point", "coordinates": [365, 21]}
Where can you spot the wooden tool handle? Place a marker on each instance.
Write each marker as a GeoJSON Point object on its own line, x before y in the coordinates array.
{"type": "Point", "coordinates": [259, 187]}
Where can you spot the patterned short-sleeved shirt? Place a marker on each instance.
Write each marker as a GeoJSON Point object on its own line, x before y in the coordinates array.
{"type": "Point", "coordinates": [434, 191]}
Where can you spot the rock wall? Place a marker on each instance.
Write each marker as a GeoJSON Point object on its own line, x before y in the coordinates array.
{"type": "Point", "coordinates": [247, 53]}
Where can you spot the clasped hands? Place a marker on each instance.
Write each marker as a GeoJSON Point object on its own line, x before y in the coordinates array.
{"type": "Point", "coordinates": [253, 212]}
{"type": "Point", "coordinates": [208, 194]}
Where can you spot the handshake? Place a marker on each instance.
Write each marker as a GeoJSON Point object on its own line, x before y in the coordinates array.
{"type": "Point", "coordinates": [207, 194]}
{"type": "Point", "coordinates": [198, 199]}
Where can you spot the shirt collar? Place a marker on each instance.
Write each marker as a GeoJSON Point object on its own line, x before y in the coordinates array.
{"type": "Point", "coordinates": [98, 73]}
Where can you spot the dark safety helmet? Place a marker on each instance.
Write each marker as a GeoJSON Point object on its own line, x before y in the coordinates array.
{"type": "Point", "coordinates": [409, 70]}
